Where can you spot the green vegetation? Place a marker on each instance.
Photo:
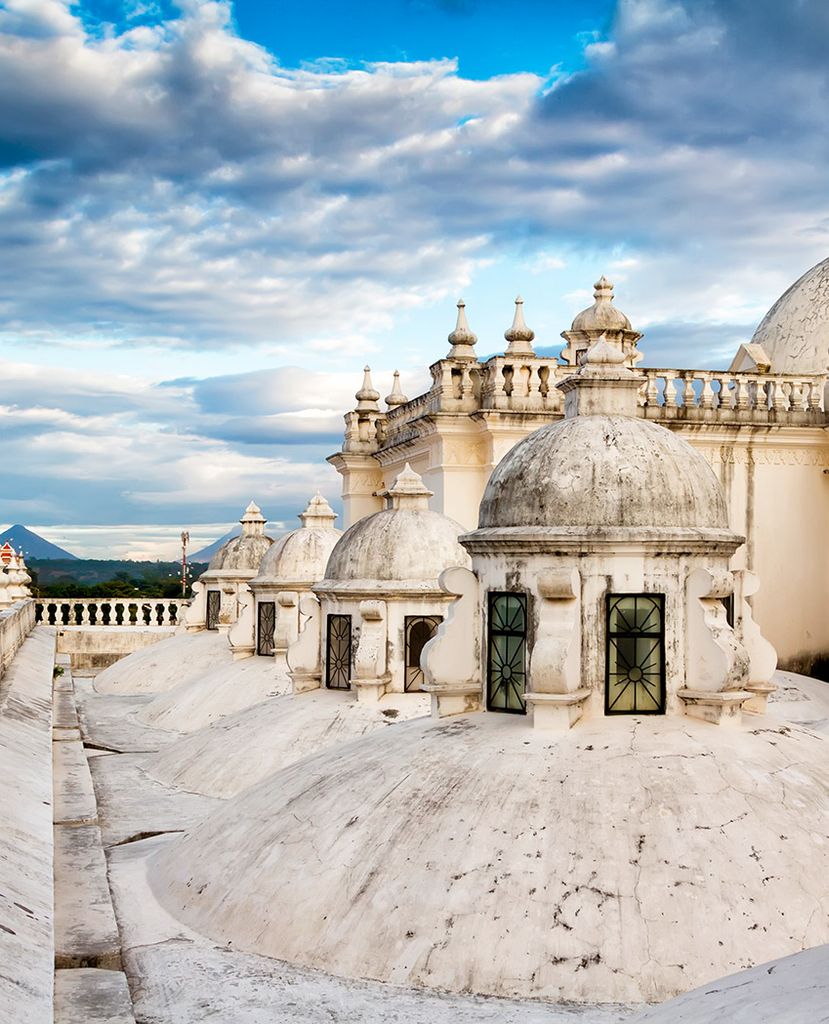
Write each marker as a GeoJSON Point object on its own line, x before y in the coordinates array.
{"type": "Point", "coordinates": [64, 577]}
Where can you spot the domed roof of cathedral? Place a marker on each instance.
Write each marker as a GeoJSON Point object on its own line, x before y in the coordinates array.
{"type": "Point", "coordinates": [243, 554]}
{"type": "Point", "coordinates": [302, 555]}
{"type": "Point", "coordinates": [407, 545]}
{"type": "Point", "coordinates": [604, 471]}
{"type": "Point", "coordinates": [795, 331]}
{"type": "Point", "coordinates": [624, 861]}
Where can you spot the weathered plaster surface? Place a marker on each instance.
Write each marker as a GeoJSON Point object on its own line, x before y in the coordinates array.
{"type": "Point", "coordinates": [217, 692]}
{"type": "Point", "coordinates": [131, 805]}
{"type": "Point", "coordinates": [92, 996]}
{"type": "Point", "coordinates": [178, 976]}
{"type": "Point", "coordinates": [241, 749]}
{"type": "Point", "coordinates": [626, 860]}
{"type": "Point", "coordinates": [794, 990]}
{"type": "Point", "coordinates": [166, 664]}
{"type": "Point", "coordinates": [26, 889]}
{"type": "Point", "coordinates": [97, 647]}
{"type": "Point", "coordinates": [793, 332]}
{"type": "Point", "coordinates": [801, 700]}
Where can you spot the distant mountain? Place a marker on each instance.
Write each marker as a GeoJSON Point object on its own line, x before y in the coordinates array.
{"type": "Point", "coordinates": [32, 545]}
{"type": "Point", "coordinates": [207, 553]}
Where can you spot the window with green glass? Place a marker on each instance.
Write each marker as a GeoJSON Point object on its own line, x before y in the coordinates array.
{"type": "Point", "coordinates": [507, 653]}
{"type": "Point", "coordinates": [635, 683]}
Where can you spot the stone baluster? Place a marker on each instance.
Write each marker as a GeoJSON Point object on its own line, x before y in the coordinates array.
{"type": "Point", "coordinates": [689, 394]}
{"type": "Point", "coordinates": [706, 395]}
{"type": "Point", "coordinates": [781, 394]}
{"type": "Point", "coordinates": [642, 394]}
{"type": "Point", "coordinates": [85, 620]}
{"type": "Point", "coordinates": [165, 614]}
{"type": "Point", "coordinates": [741, 394]}
{"type": "Point", "coordinates": [815, 399]}
{"type": "Point", "coordinates": [652, 391]}
{"type": "Point", "coordinates": [671, 397]}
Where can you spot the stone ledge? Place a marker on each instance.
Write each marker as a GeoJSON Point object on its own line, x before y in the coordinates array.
{"type": "Point", "coordinates": [92, 996]}
{"type": "Point", "coordinates": [86, 933]}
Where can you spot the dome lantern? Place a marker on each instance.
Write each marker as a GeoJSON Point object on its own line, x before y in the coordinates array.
{"type": "Point", "coordinates": [602, 318]}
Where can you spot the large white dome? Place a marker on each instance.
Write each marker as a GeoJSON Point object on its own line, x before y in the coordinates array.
{"type": "Point", "coordinates": [624, 861]}
{"type": "Point", "coordinates": [795, 331]}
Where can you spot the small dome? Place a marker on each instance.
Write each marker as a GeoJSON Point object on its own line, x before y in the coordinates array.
{"type": "Point", "coordinates": [603, 471]}
{"type": "Point", "coordinates": [795, 331]}
{"type": "Point", "coordinates": [302, 555]}
{"type": "Point", "coordinates": [602, 315]}
{"type": "Point", "coordinates": [243, 553]}
{"type": "Point", "coordinates": [405, 543]}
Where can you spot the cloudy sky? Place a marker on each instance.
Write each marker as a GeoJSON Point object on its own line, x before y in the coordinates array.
{"type": "Point", "coordinates": [212, 214]}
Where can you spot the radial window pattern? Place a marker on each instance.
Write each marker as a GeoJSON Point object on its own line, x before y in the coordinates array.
{"type": "Point", "coordinates": [635, 654]}
{"type": "Point", "coordinates": [266, 627]}
{"type": "Point", "coordinates": [507, 653]}
{"type": "Point", "coordinates": [338, 653]}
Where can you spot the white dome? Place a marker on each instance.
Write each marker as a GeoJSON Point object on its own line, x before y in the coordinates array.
{"type": "Point", "coordinates": [623, 861]}
{"type": "Point", "coordinates": [795, 331]}
{"type": "Point", "coordinates": [604, 471]}
{"type": "Point", "coordinates": [302, 555]}
{"type": "Point", "coordinates": [243, 554]}
{"type": "Point", "coordinates": [407, 543]}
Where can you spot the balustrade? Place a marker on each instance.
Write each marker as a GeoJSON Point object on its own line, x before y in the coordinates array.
{"type": "Point", "coordinates": [528, 385]}
{"type": "Point", "coordinates": [720, 396]}
{"type": "Point", "coordinates": [110, 611]}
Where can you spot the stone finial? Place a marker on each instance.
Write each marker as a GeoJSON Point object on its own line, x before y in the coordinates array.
{"type": "Point", "coordinates": [462, 339]}
{"type": "Point", "coordinates": [6, 553]}
{"type": "Point", "coordinates": [603, 386]}
{"type": "Point", "coordinates": [318, 515]}
{"type": "Point", "coordinates": [367, 397]}
{"type": "Point", "coordinates": [408, 491]}
{"type": "Point", "coordinates": [396, 397]}
{"type": "Point", "coordinates": [602, 318]}
{"type": "Point", "coordinates": [253, 522]}
{"type": "Point", "coordinates": [519, 335]}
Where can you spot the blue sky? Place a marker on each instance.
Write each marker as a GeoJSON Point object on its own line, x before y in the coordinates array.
{"type": "Point", "coordinates": [212, 215]}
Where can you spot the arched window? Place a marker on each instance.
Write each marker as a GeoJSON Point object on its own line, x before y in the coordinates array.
{"type": "Point", "coordinates": [507, 653]}
{"type": "Point", "coordinates": [419, 631]}
{"type": "Point", "coordinates": [265, 626]}
{"type": "Point", "coordinates": [338, 653]}
{"type": "Point", "coordinates": [635, 680]}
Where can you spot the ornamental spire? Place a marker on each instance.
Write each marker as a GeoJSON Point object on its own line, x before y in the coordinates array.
{"type": "Point", "coordinates": [367, 397]}
{"type": "Point", "coordinates": [396, 397]}
{"type": "Point", "coordinates": [318, 515]}
{"type": "Point", "coordinates": [253, 522]}
{"type": "Point", "coordinates": [462, 339]}
{"type": "Point", "coordinates": [519, 335]}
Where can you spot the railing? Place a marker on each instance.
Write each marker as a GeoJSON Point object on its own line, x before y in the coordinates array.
{"type": "Point", "coordinates": [722, 397]}
{"type": "Point", "coordinates": [110, 611]}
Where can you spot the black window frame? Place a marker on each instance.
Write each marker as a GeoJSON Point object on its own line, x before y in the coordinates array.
{"type": "Point", "coordinates": [328, 671]}
{"type": "Point", "coordinates": [217, 601]}
{"type": "Point", "coordinates": [409, 621]}
{"type": "Point", "coordinates": [492, 597]}
{"type": "Point", "coordinates": [260, 606]}
{"type": "Point", "coordinates": [660, 636]}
